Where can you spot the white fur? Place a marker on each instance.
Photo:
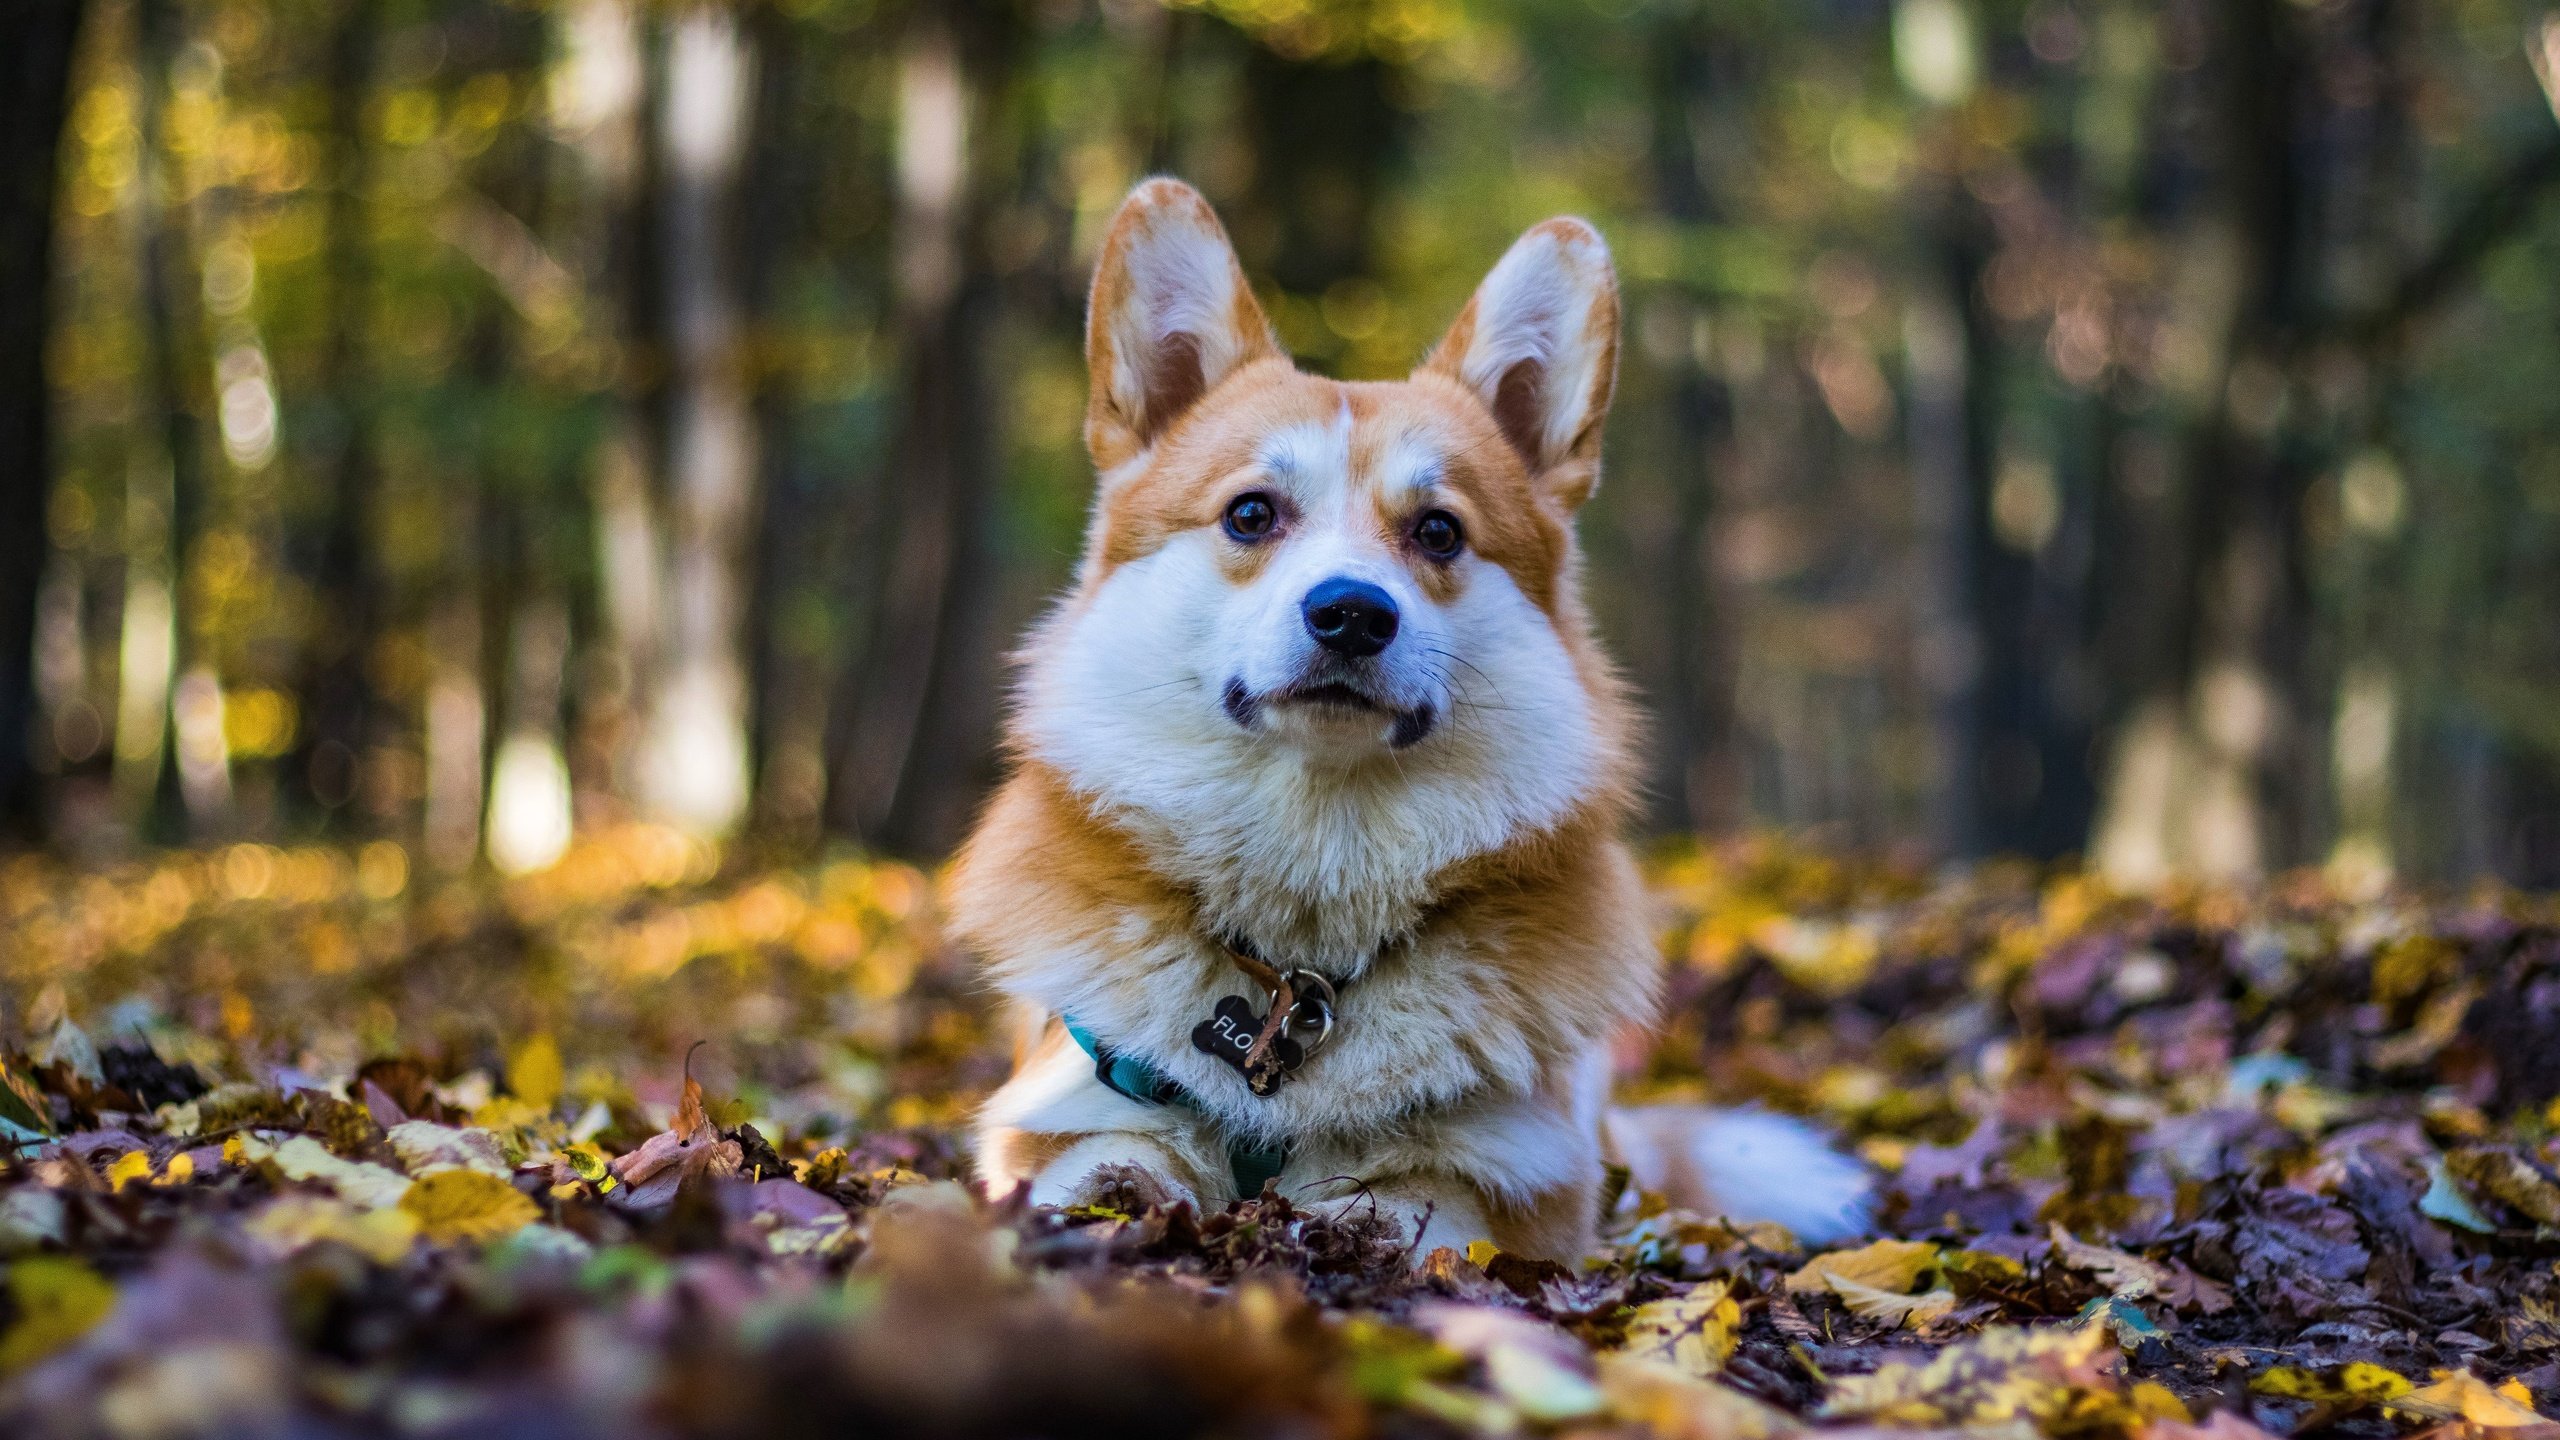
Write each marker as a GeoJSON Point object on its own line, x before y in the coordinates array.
{"type": "Point", "coordinates": [1419, 1044]}
{"type": "Point", "coordinates": [1745, 1165]}
{"type": "Point", "coordinates": [1338, 841]}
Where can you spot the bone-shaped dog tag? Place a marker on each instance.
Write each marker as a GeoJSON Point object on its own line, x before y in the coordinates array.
{"type": "Point", "coordinates": [1229, 1034]}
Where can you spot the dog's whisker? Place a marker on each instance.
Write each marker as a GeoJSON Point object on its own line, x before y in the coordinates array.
{"type": "Point", "coordinates": [1193, 679]}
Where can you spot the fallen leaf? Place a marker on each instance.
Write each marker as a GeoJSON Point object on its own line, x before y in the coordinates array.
{"type": "Point", "coordinates": [132, 1165]}
{"type": "Point", "coordinates": [1669, 1403]}
{"type": "Point", "coordinates": [22, 1104]}
{"type": "Point", "coordinates": [534, 1072]}
{"type": "Point", "coordinates": [1894, 1266]}
{"type": "Point", "coordinates": [302, 1158]}
{"type": "Point", "coordinates": [1536, 1368]}
{"type": "Point", "coordinates": [2220, 1425]}
{"type": "Point", "coordinates": [2128, 1275]}
{"type": "Point", "coordinates": [386, 1111]}
{"type": "Point", "coordinates": [1693, 1332]}
{"type": "Point", "coordinates": [689, 1149]}
{"type": "Point", "coordinates": [2359, 1383]}
{"type": "Point", "coordinates": [2119, 1316]}
{"type": "Point", "coordinates": [1914, 1311]}
{"type": "Point", "coordinates": [71, 1048]}
{"type": "Point", "coordinates": [2055, 1377]}
{"type": "Point", "coordinates": [58, 1300]}
{"type": "Point", "coordinates": [32, 1217]}
{"type": "Point", "coordinates": [2464, 1396]}
{"type": "Point", "coordinates": [425, 1147]}
{"type": "Point", "coordinates": [453, 1205]}
{"type": "Point", "coordinates": [2445, 1201]}
{"type": "Point", "coordinates": [2510, 1179]}
{"type": "Point", "coordinates": [289, 1223]}
{"type": "Point", "coordinates": [2155, 1401]}
{"type": "Point", "coordinates": [1391, 1365]}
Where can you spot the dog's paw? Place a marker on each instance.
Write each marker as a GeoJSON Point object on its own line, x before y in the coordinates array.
{"type": "Point", "coordinates": [1129, 1189]}
{"type": "Point", "coordinates": [1418, 1220]}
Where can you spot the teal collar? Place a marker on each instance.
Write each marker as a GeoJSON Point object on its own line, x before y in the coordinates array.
{"type": "Point", "coordinates": [1130, 1076]}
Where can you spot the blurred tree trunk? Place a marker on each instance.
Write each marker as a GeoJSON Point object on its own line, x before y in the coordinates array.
{"type": "Point", "coordinates": [39, 37]}
{"type": "Point", "coordinates": [1700, 782]}
{"type": "Point", "coordinates": [914, 717]}
{"type": "Point", "coordinates": [2249, 635]}
{"type": "Point", "coordinates": [176, 373]}
{"type": "Point", "coordinates": [2201, 760]}
{"type": "Point", "coordinates": [335, 680]}
{"type": "Point", "coordinates": [694, 765]}
{"type": "Point", "coordinates": [2015, 737]}
{"type": "Point", "coordinates": [601, 100]}
{"type": "Point", "coordinates": [1950, 483]}
{"type": "Point", "coordinates": [496, 635]}
{"type": "Point", "coordinates": [784, 170]}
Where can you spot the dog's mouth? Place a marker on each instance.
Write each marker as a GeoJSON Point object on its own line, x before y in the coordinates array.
{"type": "Point", "coordinates": [1334, 694]}
{"type": "Point", "coordinates": [1332, 697]}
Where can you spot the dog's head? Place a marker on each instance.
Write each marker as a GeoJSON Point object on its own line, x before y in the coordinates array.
{"type": "Point", "coordinates": [1295, 582]}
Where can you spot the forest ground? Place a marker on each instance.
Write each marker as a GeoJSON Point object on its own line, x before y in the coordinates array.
{"type": "Point", "coordinates": [303, 1142]}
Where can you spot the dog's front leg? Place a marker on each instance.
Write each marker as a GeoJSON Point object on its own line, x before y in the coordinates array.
{"type": "Point", "coordinates": [1057, 1130]}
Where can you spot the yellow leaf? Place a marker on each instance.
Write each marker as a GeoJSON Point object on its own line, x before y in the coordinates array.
{"type": "Point", "coordinates": [1693, 1332]}
{"type": "Point", "coordinates": [534, 1072]}
{"type": "Point", "coordinates": [58, 1300]}
{"type": "Point", "coordinates": [180, 1169]}
{"type": "Point", "coordinates": [1829, 957]}
{"type": "Point", "coordinates": [2055, 1377]}
{"type": "Point", "coordinates": [1662, 1401]}
{"type": "Point", "coordinates": [2155, 1401]}
{"type": "Point", "coordinates": [455, 1205]}
{"type": "Point", "coordinates": [2361, 1383]}
{"type": "Point", "coordinates": [2464, 1396]}
{"type": "Point", "coordinates": [290, 1222]}
{"type": "Point", "coordinates": [2509, 1178]}
{"type": "Point", "coordinates": [1889, 1265]}
{"type": "Point", "coordinates": [303, 1158]}
{"type": "Point", "coordinates": [1871, 1303]}
{"type": "Point", "coordinates": [132, 1165]}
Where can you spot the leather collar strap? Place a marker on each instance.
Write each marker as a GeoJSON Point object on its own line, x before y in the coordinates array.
{"type": "Point", "coordinates": [1129, 1076]}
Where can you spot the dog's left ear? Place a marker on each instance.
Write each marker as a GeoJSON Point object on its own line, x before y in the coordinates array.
{"type": "Point", "coordinates": [1539, 345]}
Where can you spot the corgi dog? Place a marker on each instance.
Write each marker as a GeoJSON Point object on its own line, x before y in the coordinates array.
{"type": "Point", "coordinates": [1308, 871]}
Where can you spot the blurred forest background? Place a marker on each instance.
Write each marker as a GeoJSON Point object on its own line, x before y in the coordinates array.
{"type": "Point", "coordinates": [2122, 427]}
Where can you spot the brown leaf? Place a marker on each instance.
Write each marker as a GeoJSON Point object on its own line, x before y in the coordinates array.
{"type": "Point", "coordinates": [693, 1118]}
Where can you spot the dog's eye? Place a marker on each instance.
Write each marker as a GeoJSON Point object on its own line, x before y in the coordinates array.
{"type": "Point", "coordinates": [1249, 518]}
{"type": "Point", "coordinates": [1438, 534]}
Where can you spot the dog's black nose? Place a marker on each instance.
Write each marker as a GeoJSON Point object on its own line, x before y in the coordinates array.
{"type": "Point", "coordinates": [1351, 618]}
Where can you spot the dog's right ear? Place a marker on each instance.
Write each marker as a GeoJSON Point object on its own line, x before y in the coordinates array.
{"type": "Point", "coordinates": [1170, 317]}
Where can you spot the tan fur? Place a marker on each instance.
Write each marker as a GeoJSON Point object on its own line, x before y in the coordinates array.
{"type": "Point", "coordinates": [1464, 1082]}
